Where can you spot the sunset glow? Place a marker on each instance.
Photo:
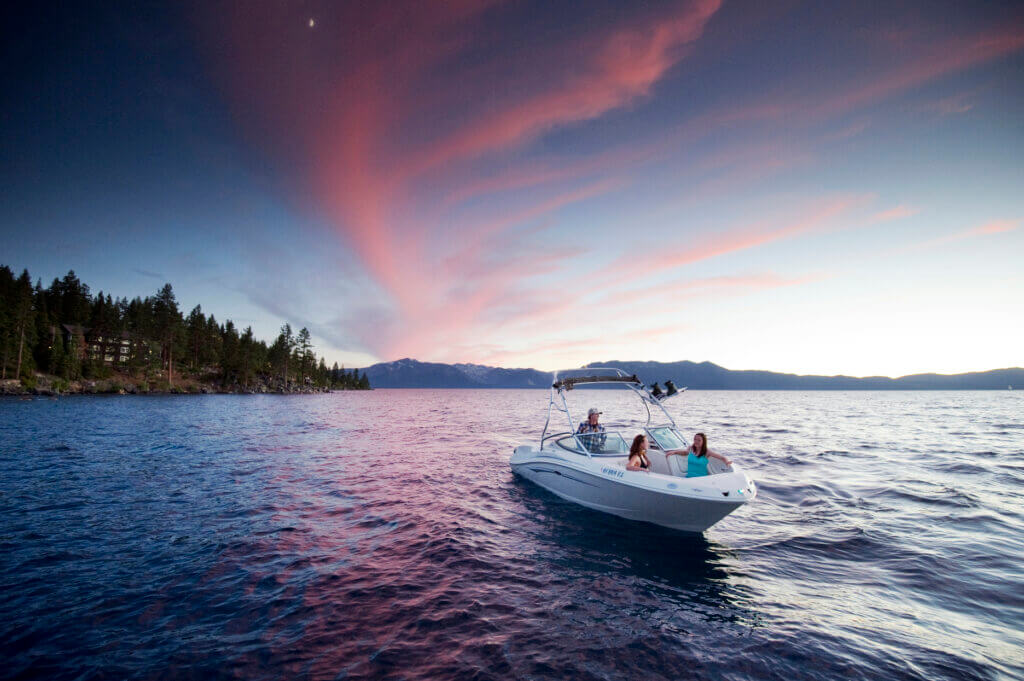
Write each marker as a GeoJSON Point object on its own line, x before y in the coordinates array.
{"type": "Point", "coordinates": [801, 189]}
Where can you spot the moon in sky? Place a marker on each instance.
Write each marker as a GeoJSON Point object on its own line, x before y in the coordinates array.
{"type": "Point", "coordinates": [311, 23]}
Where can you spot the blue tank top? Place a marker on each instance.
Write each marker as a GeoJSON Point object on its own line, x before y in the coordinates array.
{"type": "Point", "coordinates": [696, 466]}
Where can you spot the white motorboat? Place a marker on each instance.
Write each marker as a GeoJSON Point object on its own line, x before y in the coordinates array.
{"type": "Point", "coordinates": [590, 469]}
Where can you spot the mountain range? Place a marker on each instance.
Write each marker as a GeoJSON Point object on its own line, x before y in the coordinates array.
{"type": "Point", "coordinates": [411, 373]}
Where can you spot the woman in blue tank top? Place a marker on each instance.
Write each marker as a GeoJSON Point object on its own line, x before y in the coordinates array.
{"type": "Point", "coordinates": [697, 457]}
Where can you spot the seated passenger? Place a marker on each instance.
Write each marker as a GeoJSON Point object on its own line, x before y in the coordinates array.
{"type": "Point", "coordinates": [595, 438]}
{"type": "Point", "coordinates": [697, 457]}
{"type": "Point", "coordinates": [638, 460]}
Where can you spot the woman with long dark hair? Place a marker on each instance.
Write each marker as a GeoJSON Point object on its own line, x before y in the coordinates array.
{"type": "Point", "coordinates": [697, 457]}
{"type": "Point", "coordinates": [638, 460]}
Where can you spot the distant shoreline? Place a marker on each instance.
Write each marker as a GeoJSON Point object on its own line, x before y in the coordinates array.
{"type": "Point", "coordinates": [411, 373]}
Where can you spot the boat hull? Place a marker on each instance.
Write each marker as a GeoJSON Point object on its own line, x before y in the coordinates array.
{"type": "Point", "coordinates": [686, 504]}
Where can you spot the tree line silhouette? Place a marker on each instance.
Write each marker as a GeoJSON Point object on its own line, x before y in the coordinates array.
{"type": "Point", "coordinates": [66, 331]}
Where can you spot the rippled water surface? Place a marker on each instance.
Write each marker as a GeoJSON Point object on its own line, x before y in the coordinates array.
{"type": "Point", "coordinates": [382, 535]}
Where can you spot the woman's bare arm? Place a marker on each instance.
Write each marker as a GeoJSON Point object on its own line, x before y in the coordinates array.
{"type": "Point", "coordinates": [630, 466]}
{"type": "Point", "coordinates": [727, 462]}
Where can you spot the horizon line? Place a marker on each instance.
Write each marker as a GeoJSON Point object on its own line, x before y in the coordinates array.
{"type": "Point", "coordinates": [649, 361]}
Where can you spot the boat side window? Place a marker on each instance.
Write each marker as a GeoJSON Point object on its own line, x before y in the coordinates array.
{"type": "Point", "coordinates": [609, 444]}
{"type": "Point", "coordinates": [667, 438]}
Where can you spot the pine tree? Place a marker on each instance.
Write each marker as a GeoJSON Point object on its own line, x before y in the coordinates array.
{"type": "Point", "coordinates": [195, 330]}
{"type": "Point", "coordinates": [304, 348]}
{"type": "Point", "coordinates": [56, 357]}
{"type": "Point", "coordinates": [7, 315]}
{"type": "Point", "coordinates": [24, 318]}
{"type": "Point", "coordinates": [289, 344]}
{"type": "Point", "coordinates": [210, 351]}
{"type": "Point", "coordinates": [74, 299]}
{"type": "Point", "coordinates": [71, 369]}
{"type": "Point", "coordinates": [45, 329]}
{"type": "Point", "coordinates": [167, 320]}
{"type": "Point", "coordinates": [230, 352]}
{"type": "Point", "coordinates": [247, 350]}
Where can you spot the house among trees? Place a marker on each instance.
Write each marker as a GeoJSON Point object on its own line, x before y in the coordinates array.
{"type": "Point", "coordinates": [112, 349]}
{"type": "Point", "coordinates": [73, 336]}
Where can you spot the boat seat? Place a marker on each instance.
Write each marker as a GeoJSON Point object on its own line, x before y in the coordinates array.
{"type": "Point", "coordinates": [716, 466]}
{"type": "Point", "coordinates": [658, 462]}
{"type": "Point", "coordinates": [676, 464]}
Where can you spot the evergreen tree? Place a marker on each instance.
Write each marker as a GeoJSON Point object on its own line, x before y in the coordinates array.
{"type": "Point", "coordinates": [167, 322]}
{"type": "Point", "coordinates": [7, 315]}
{"type": "Point", "coordinates": [249, 353]}
{"type": "Point", "coordinates": [138, 320]}
{"type": "Point", "coordinates": [230, 352]}
{"type": "Point", "coordinates": [320, 377]}
{"type": "Point", "coordinates": [55, 357]}
{"type": "Point", "coordinates": [289, 345]}
{"type": "Point", "coordinates": [195, 331]}
{"type": "Point", "coordinates": [210, 352]}
{"type": "Point", "coordinates": [71, 368]}
{"type": "Point", "coordinates": [46, 330]}
{"type": "Point", "coordinates": [304, 349]}
{"type": "Point", "coordinates": [24, 321]}
{"type": "Point", "coordinates": [73, 297]}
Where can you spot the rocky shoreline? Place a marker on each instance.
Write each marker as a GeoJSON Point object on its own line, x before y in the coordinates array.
{"type": "Point", "coordinates": [53, 386]}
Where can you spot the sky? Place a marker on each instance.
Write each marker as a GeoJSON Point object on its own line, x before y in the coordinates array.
{"type": "Point", "coordinates": [816, 188]}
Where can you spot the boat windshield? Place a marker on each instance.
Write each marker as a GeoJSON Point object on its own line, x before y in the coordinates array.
{"type": "Point", "coordinates": [597, 444]}
{"type": "Point", "coordinates": [667, 438]}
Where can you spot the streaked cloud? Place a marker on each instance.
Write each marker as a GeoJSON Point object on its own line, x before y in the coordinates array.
{"type": "Point", "coordinates": [994, 227]}
{"type": "Point", "coordinates": [462, 153]}
{"type": "Point", "coordinates": [894, 213]}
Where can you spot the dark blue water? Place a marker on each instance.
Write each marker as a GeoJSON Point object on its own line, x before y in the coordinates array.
{"type": "Point", "coordinates": [382, 535]}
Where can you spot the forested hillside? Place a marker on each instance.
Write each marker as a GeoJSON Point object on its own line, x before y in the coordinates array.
{"type": "Point", "coordinates": [67, 332]}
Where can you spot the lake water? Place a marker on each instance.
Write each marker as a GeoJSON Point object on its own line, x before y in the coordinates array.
{"type": "Point", "coordinates": [382, 535]}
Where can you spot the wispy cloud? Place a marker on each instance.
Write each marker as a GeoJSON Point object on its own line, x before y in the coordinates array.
{"type": "Point", "coordinates": [994, 227]}
{"type": "Point", "coordinates": [815, 216]}
{"type": "Point", "coordinates": [949, 106]}
{"type": "Point", "coordinates": [895, 213]}
{"type": "Point", "coordinates": [147, 273]}
{"type": "Point", "coordinates": [707, 288]}
{"type": "Point", "coordinates": [983, 230]}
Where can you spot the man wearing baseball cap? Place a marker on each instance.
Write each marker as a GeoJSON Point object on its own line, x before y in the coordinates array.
{"type": "Point", "coordinates": [594, 431]}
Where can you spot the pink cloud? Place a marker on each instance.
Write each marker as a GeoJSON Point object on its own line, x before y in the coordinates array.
{"type": "Point", "coordinates": [609, 72]}
{"type": "Point", "coordinates": [987, 229]}
{"type": "Point", "coordinates": [707, 287]}
{"type": "Point", "coordinates": [895, 213]}
{"type": "Point", "coordinates": [398, 127]}
{"type": "Point", "coordinates": [815, 217]}
{"type": "Point", "coordinates": [368, 184]}
{"type": "Point", "coordinates": [567, 351]}
{"type": "Point", "coordinates": [933, 61]}
{"type": "Point", "coordinates": [909, 66]}
{"type": "Point", "coordinates": [481, 234]}
{"type": "Point", "coordinates": [994, 227]}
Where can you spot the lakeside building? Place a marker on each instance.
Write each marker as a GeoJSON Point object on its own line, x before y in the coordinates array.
{"type": "Point", "coordinates": [111, 349]}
